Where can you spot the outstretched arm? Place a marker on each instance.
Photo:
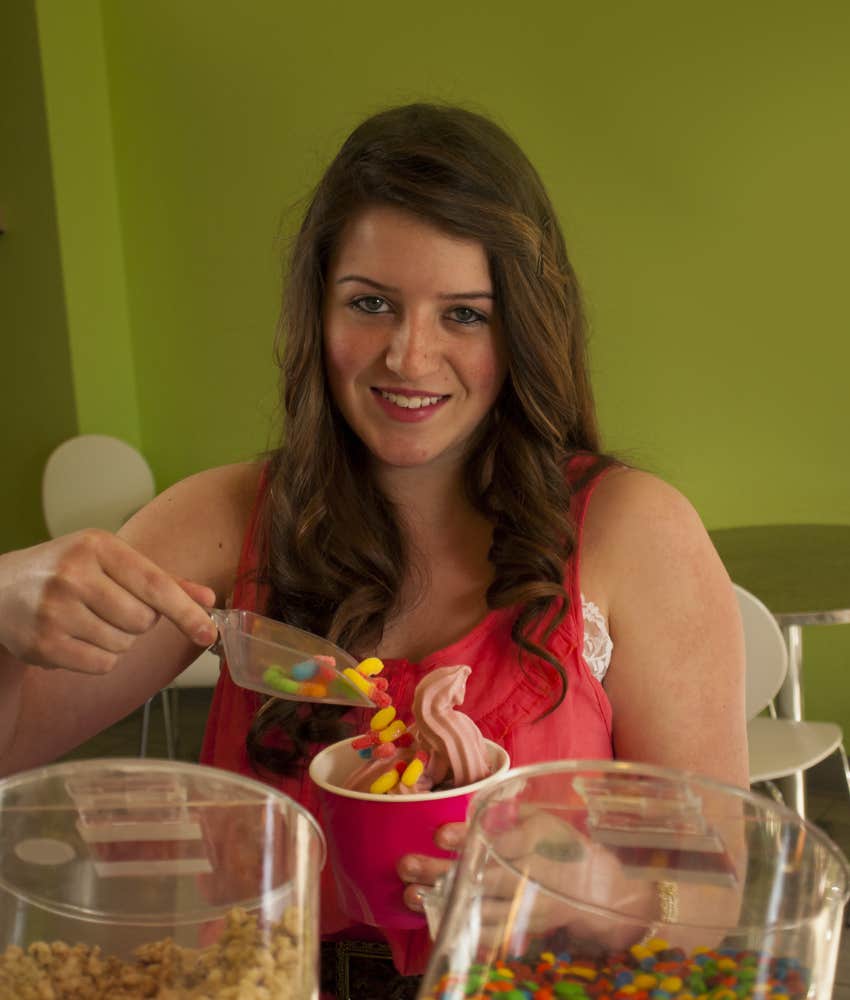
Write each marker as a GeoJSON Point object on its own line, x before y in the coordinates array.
{"type": "Point", "coordinates": [93, 624]}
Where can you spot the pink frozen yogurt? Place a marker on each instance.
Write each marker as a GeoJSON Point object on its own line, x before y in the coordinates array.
{"type": "Point", "coordinates": [442, 748]}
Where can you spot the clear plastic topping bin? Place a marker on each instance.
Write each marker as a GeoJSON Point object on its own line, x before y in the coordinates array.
{"type": "Point", "coordinates": [594, 879]}
{"type": "Point", "coordinates": [138, 878]}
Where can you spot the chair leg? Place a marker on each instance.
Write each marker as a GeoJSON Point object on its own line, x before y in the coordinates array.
{"type": "Point", "coordinates": [146, 725]}
{"type": "Point", "coordinates": [166, 722]}
{"type": "Point", "coordinates": [793, 789]}
{"type": "Point", "coordinates": [174, 694]}
{"type": "Point", "coordinates": [773, 791]}
{"type": "Point", "coordinates": [845, 765]}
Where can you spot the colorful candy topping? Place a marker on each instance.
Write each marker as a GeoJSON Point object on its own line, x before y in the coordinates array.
{"type": "Point", "coordinates": [649, 971]}
{"type": "Point", "coordinates": [277, 679]}
{"type": "Point", "coordinates": [388, 780]}
{"type": "Point", "coordinates": [363, 682]}
{"type": "Point", "coordinates": [312, 678]}
{"type": "Point", "coordinates": [385, 736]}
{"type": "Point", "coordinates": [370, 666]}
{"type": "Point", "coordinates": [382, 718]}
{"type": "Point", "coordinates": [413, 772]}
{"type": "Point", "coordinates": [439, 748]}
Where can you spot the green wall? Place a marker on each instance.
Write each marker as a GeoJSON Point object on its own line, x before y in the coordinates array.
{"type": "Point", "coordinates": [36, 392]}
{"type": "Point", "coordinates": [77, 103]}
{"type": "Point", "coordinates": [698, 156]}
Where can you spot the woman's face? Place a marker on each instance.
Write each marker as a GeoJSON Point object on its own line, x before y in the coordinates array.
{"type": "Point", "coordinates": [413, 348]}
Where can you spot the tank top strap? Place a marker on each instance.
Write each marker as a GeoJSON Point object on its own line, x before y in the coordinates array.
{"type": "Point", "coordinates": [584, 473]}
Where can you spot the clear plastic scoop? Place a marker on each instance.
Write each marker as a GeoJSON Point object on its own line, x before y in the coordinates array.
{"type": "Point", "coordinates": [285, 662]}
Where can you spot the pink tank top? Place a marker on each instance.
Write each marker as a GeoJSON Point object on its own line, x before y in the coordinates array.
{"type": "Point", "coordinates": [505, 700]}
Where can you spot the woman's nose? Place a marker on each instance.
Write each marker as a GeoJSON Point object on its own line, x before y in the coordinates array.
{"type": "Point", "coordinates": [412, 352]}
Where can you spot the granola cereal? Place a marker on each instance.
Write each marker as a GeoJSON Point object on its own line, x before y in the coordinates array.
{"type": "Point", "coordinates": [246, 963]}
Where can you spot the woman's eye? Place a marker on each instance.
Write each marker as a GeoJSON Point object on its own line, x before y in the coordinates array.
{"type": "Point", "coordinates": [467, 316]}
{"type": "Point", "coordinates": [371, 304]}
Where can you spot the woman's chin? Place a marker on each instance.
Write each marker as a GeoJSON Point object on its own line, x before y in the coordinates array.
{"type": "Point", "coordinates": [412, 455]}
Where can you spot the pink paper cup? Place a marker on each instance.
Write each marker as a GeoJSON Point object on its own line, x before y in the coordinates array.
{"type": "Point", "coordinates": [367, 834]}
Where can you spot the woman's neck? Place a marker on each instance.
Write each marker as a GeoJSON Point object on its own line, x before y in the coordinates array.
{"type": "Point", "coordinates": [443, 593]}
{"type": "Point", "coordinates": [433, 506]}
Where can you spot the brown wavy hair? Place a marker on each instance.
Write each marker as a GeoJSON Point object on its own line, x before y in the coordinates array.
{"type": "Point", "coordinates": [333, 553]}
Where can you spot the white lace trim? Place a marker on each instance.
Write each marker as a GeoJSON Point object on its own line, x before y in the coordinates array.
{"type": "Point", "coordinates": [597, 646]}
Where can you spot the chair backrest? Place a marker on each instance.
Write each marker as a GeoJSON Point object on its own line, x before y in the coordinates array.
{"type": "Point", "coordinates": [202, 672]}
{"type": "Point", "coordinates": [94, 481]}
{"type": "Point", "coordinates": [766, 652]}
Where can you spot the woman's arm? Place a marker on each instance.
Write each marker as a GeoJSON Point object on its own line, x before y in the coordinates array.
{"type": "Point", "coordinates": [93, 624]}
{"type": "Point", "coordinates": [676, 679]}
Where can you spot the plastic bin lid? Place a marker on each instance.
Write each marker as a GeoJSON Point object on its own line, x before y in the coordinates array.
{"type": "Point", "coordinates": [149, 841]}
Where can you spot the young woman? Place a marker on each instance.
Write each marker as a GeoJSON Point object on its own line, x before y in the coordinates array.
{"type": "Point", "coordinates": [439, 496]}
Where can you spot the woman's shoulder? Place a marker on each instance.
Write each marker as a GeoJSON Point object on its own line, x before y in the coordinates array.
{"type": "Point", "coordinates": [638, 526]}
{"type": "Point", "coordinates": [218, 498]}
{"type": "Point", "coordinates": [195, 527]}
{"type": "Point", "coordinates": [624, 493]}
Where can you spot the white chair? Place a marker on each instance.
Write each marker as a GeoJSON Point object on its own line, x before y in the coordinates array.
{"type": "Point", "coordinates": [94, 481]}
{"type": "Point", "coordinates": [765, 651]}
{"type": "Point", "coordinates": [778, 747]}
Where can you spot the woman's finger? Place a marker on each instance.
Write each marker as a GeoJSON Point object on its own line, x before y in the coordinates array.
{"type": "Point", "coordinates": [117, 607]}
{"type": "Point", "coordinates": [414, 895]}
{"type": "Point", "coordinates": [422, 868]}
{"type": "Point", "coordinates": [68, 653]}
{"type": "Point", "coordinates": [450, 836]}
{"type": "Point", "coordinates": [203, 595]}
{"type": "Point", "coordinates": [158, 590]}
{"type": "Point", "coordinates": [90, 628]}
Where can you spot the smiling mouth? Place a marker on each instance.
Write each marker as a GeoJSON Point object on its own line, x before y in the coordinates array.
{"type": "Point", "coordinates": [410, 402]}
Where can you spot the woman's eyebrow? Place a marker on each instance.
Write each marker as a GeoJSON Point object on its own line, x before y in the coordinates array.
{"type": "Point", "coordinates": [466, 295]}
{"type": "Point", "coordinates": [391, 288]}
{"type": "Point", "coordinates": [366, 281]}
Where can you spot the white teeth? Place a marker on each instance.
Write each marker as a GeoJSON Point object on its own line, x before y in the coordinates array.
{"type": "Point", "coordinates": [410, 402]}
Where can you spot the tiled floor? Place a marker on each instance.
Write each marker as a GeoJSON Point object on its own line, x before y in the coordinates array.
{"type": "Point", "coordinates": [827, 795]}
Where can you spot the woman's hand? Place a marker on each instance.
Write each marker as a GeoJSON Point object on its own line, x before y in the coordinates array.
{"type": "Point", "coordinates": [542, 875]}
{"type": "Point", "coordinates": [542, 852]}
{"type": "Point", "coordinates": [80, 601]}
{"type": "Point", "coordinates": [421, 871]}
